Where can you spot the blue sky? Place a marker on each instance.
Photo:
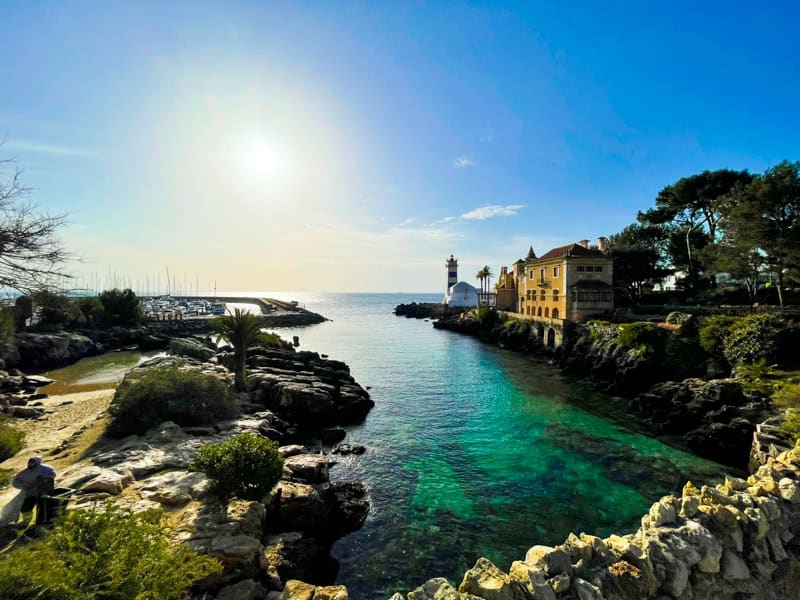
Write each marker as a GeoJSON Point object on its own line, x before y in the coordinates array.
{"type": "Point", "coordinates": [353, 146]}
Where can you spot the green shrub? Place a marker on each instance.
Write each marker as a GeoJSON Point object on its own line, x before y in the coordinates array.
{"type": "Point", "coordinates": [791, 424]}
{"type": "Point", "coordinates": [120, 307]}
{"type": "Point", "coordinates": [92, 310]}
{"type": "Point", "coordinates": [759, 377]}
{"type": "Point", "coordinates": [634, 335]}
{"type": "Point", "coordinates": [107, 554]}
{"type": "Point", "coordinates": [269, 340]}
{"type": "Point", "coordinates": [603, 331]}
{"type": "Point", "coordinates": [488, 317]}
{"type": "Point", "coordinates": [57, 310]}
{"type": "Point", "coordinates": [753, 338]}
{"type": "Point", "coordinates": [246, 466]}
{"type": "Point", "coordinates": [787, 396]}
{"type": "Point", "coordinates": [11, 440]}
{"type": "Point", "coordinates": [713, 333]}
{"type": "Point", "coordinates": [168, 394]}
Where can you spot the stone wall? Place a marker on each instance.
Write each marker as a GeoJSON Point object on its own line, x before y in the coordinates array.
{"type": "Point", "coordinates": [740, 539]}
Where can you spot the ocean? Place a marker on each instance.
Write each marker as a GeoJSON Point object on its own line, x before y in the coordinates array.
{"type": "Point", "coordinates": [476, 451]}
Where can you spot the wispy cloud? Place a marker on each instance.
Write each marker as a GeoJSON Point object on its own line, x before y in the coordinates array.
{"type": "Point", "coordinates": [463, 162]}
{"type": "Point", "coordinates": [446, 220]}
{"type": "Point", "coordinates": [492, 210]}
{"type": "Point", "coordinates": [404, 223]}
{"type": "Point", "coordinates": [51, 149]}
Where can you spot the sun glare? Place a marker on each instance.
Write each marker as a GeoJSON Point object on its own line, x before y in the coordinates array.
{"type": "Point", "coordinates": [262, 159]}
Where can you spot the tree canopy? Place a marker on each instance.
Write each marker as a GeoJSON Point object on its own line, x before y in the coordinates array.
{"type": "Point", "coordinates": [724, 221]}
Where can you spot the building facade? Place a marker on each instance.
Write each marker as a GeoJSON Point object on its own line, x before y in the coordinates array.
{"type": "Point", "coordinates": [572, 282]}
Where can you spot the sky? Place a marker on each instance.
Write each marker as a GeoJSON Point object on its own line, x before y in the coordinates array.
{"type": "Point", "coordinates": [348, 146]}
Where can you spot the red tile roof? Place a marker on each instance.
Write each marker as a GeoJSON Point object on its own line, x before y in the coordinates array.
{"type": "Point", "coordinates": [571, 250]}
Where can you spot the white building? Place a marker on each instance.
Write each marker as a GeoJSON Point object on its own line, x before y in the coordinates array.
{"type": "Point", "coordinates": [462, 295]}
{"type": "Point", "coordinates": [458, 294]}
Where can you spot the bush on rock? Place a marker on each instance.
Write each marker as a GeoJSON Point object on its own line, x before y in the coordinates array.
{"type": "Point", "coordinates": [109, 553]}
{"type": "Point", "coordinates": [168, 394]}
{"type": "Point", "coordinates": [246, 466]}
{"type": "Point", "coordinates": [753, 338]}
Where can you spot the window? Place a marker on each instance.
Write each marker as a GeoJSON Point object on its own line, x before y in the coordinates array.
{"type": "Point", "coordinates": [531, 273]}
{"type": "Point", "coordinates": [555, 272]}
{"type": "Point", "coordinates": [546, 312]}
{"type": "Point", "coordinates": [555, 295]}
{"type": "Point", "coordinates": [542, 295]}
{"type": "Point", "coordinates": [581, 268]}
{"type": "Point", "coordinates": [598, 269]}
{"type": "Point", "coordinates": [555, 313]}
{"type": "Point", "coordinates": [542, 272]}
{"type": "Point", "coordinates": [540, 311]}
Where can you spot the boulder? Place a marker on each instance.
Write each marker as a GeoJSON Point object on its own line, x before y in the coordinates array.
{"type": "Point", "coordinates": [190, 347]}
{"type": "Point", "coordinates": [42, 350]}
{"type": "Point", "coordinates": [236, 552]}
{"type": "Point", "coordinates": [309, 468]}
{"type": "Point", "coordinates": [108, 482]}
{"type": "Point", "coordinates": [345, 449]}
{"type": "Point", "coordinates": [298, 590]}
{"type": "Point", "coordinates": [291, 450]}
{"type": "Point", "coordinates": [550, 560]}
{"type": "Point", "coordinates": [332, 436]}
{"type": "Point", "coordinates": [485, 580]}
{"type": "Point", "coordinates": [174, 488]}
{"type": "Point", "coordinates": [244, 590]}
{"type": "Point", "coordinates": [331, 592]}
{"type": "Point", "coordinates": [293, 555]}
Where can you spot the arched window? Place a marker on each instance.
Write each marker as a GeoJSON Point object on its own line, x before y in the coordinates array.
{"type": "Point", "coordinates": [555, 313]}
{"type": "Point", "coordinates": [546, 312]}
{"type": "Point", "coordinates": [540, 311]}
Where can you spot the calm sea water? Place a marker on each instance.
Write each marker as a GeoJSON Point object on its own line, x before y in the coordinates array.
{"type": "Point", "coordinates": [475, 451]}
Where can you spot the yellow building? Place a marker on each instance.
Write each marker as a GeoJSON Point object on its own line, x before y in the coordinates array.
{"type": "Point", "coordinates": [569, 282]}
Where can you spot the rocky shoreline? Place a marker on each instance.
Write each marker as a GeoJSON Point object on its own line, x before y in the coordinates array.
{"type": "Point", "coordinates": [297, 399]}
{"type": "Point", "coordinates": [716, 417]}
{"type": "Point", "coordinates": [38, 351]}
{"type": "Point", "coordinates": [421, 310]}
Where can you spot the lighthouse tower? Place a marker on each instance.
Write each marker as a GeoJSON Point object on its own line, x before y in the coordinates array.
{"type": "Point", "coordinates": [452, 273]}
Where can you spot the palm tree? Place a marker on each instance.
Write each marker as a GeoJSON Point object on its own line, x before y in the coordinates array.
{"type": "Point", "coordinates": [241, 331]}
{"type": "Point", "coordinates": [479, 275]}
{"type": "Point", "coordinates": [485, 275]}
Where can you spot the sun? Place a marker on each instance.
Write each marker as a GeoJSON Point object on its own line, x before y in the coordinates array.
{"type": "Point", "coordinates": [262, 159]}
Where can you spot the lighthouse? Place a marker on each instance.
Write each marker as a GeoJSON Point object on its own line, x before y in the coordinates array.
{"type": "Point", "coordinates": [452, 273]}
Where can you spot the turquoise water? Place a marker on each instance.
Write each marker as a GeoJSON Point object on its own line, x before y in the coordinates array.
{"type": "Point", "coordinates": [477, 451]}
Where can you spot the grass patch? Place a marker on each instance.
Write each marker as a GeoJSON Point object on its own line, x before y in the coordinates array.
{"type": "Point", "coordinates": [6, 475]}
{"type": "Point", "coordinates": [269, 340]}
{"type": "Point", "coordinates": [168, 394]}
{"type": "Point", "coordinates": [11, 440]}
{"type": "Point", "coordinates": [104, 554]}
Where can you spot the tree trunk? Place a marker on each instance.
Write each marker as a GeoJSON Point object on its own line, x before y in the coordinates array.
{"type": "Point", "coordinates": [780, 287]}
{"type": "Point", "coordinates": [239, 372]}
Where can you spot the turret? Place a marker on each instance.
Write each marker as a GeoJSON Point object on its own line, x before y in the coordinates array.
{"type": "Point", "coordinates": [452, 272]}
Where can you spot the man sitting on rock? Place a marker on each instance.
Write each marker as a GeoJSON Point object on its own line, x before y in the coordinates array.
{"type": "Point", "coordinates": [36, 481]}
